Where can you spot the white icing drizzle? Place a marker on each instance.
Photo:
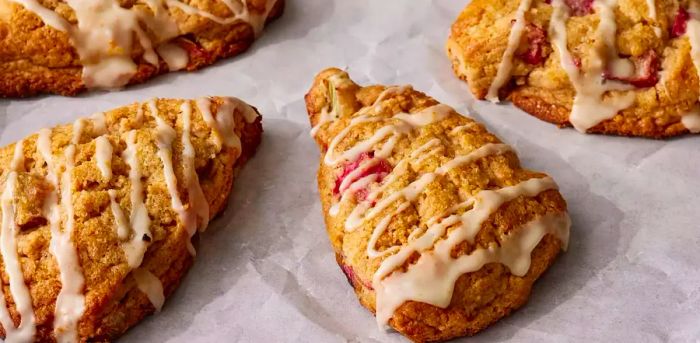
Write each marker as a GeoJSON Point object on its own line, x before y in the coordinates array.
{"type": "Point", "coordinates": [17, 163]}
{"type": "Point", "coordinates": [174, 56]}
{"type": "Point", "coordinates": [426, 150]}
{"type": "Point", "coordinates": [590, 107]}
{"type": "Point", "coordinates": [104, 33]}
{"type": "Point", "coordinates": [432, 277]}
{"type": "Point", "coordinates": [691, 120]}
{"type": "Point", "coordinates": [119, 218]}
{"type": "Point", "coordinates": [325, 118]}
{"type": "Point", "coordinates": [379, 230]}
{"type": "Point", "coordinates": [139, 113]}
{"type": "Point", "coordinates": [353, 187]}
{"type": "Point", "coordinates": [99, 123]}
{"type": "Point", "coordinates": [139, 219]}
{"type": "Point", "coordinates": [239, 14]}
{"type": "Point", "coordinates": [384, 95]}
{"type": "Point", "coordinates": [103, 156]}
{"type": "Point", "coordinates": [150, 285]}
{"type": "Point", "coordinates": [105, 66]}
{"type": "Point", "coordinates": [48, 16]}
{"type": "Point", "coordinates": [462, 128]}
{"type": "Point", "coordinates": [331, 112]}
{"type": "Point", "coordinates": [223, 125]}
{"type": "Point", "coordinates": [165, 136]}
{"type": "Point", "coordinates": [392, 91]}
{"type": "Point", "coordinates": [406, 123]}
{"type": "Point", "coordinates": [70, 302]}
{"type": "Point", "coordinates": [248, 112]}
{"type": "Point", "coordinates": [414, 189]}
{"type": "Point", "coordinates": [435, 142]}
{"type": "Point", "coordinates": [194, 190]}
{"type": "Point", "coordinates": [419, 282]}
{"type": "Point", "coordinates": [506, 65]}
{"type": "Point", "coordinates": [8, 248]}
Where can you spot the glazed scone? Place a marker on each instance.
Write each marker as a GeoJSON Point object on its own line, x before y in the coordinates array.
{"type": "Point", "coordinates": [621, 67]}
{"type": "Point", "coordinates": [433, 221]}
{"type": "Point", "coordinates": [98, 216]}
{"type": "Point", "coordinates": [66, 46]}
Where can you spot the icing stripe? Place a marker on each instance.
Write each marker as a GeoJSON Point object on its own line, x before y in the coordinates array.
{"type": "Point", "coordinates": [589, 107]}
{"type": "Point", "coordinates": [8, 248]}
{"type": "Point", "coordinates": [240, 13]}
{"type": "Point", "coordinates": [120, 221]}
{"type": "Point", "coordinates": [464, 127]}
{"type": "Point", "coordinates": [505, 67]}
{"type": "Point", "coordinates": [691, 119]}
{"type": "Point", "coordinates": [379, 230]}
{"type": "Point", "coordinates": [165, 136]}
{"type": "Point", "coordinates": [328, 116]}
{"type": "Point", "coordinates": [223, 125]}
{"type": "Point", "coordinates": [99, 123]}
{"type": "Point", "coordinates": [406, 123]}
{"type": "Point", "coordinates": [104, 33]}
{"type": "Point", "coordinates": [432, 277]}
{"type": "Point", "coordinates": [103, 156]}
{"type": "Point", "coordinates": [139, 219]}
{"type": "Point", "coordinates": [48, 16]}
{"type": "Point", "coordinates": [150, 285]}
{"type": "Point", "coordinates": [194, 190]}
{"type": "Point", "coordinates": [414, 189]}
{"type": "Point", "coordinates": [174, 56]}
{"type": "Point", "coordinates": [70, 302]}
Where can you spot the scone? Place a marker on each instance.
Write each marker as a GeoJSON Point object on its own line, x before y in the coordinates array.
{"type": "Point", "coordinates": [98, 216]}
{"type": "Point", "coordinates": [620, 67]}
{"type": "Point", "coordinates": [66, 46]}
{"type": "Point", "coordinates": [436, 226]}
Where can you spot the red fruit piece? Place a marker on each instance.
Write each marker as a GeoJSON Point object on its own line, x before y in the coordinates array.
{"type": "Point", "coordinates": [349, 274]}
{"type": "Point", "coordinates": [680, 24]}
{"type": "Point", "coordinates": [580, 7]}
{"type": "Point", "coordinates": [197, 55]}
{"type": "Point", "coordinates": [646, 71]}
{"type": "Point", "coordinates": [536, 40]}
{"type": "Point", "coordinates": [577, 62]}
{"type": "Point", "coordinates": [353, 278]}
{"type": "Point", "coordinates": [381, 168]}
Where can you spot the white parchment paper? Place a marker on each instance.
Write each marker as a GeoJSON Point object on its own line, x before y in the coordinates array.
{"type": "Point", "coordinates": [265, 271]}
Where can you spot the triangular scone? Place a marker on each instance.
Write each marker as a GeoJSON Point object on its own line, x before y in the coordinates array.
{"type": "Point", "coordinates": [614, 67]}
{"type": "Point", "coordinates": [98, 216]}
{"type": "Point", "coordinates": [432, 219]}
{"type": "Point", "coordinates": [65, 46]}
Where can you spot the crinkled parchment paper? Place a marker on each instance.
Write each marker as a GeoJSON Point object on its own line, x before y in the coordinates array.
{"type": "Point", "coordinates": [265, 271]}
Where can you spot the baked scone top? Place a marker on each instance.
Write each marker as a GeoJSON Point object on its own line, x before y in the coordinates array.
{"type": "Point", "coordinates": [626, 67]}
{"type": "Point", "coordinates": [111, 38]}
{"type": "Point", "coordinates": [416, 196]}
{"type": "Point", "coordinates": [121, 193]}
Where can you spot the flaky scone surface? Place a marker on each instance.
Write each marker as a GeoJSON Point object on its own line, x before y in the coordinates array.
{"type": "Point", "coordinates": [38, 58]}
{"type": "Point", "coordinates": [480, 297]}
{"type": "Point", "coordinates": [112, 300]}
{"type": "Point", "coordinates": [664, 83]}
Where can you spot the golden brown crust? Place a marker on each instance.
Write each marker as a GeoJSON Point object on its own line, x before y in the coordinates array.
{"type": "Point", "coordinates": [481, 297]}
{"type": "Point", "coordinates": [528, 100]}
{"type": "Point", "coordinates": [113, 303]}
{"type": "Point", "coordinates": [36, 58]}
{"type": "Point", "coordinates": [479, 37]}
